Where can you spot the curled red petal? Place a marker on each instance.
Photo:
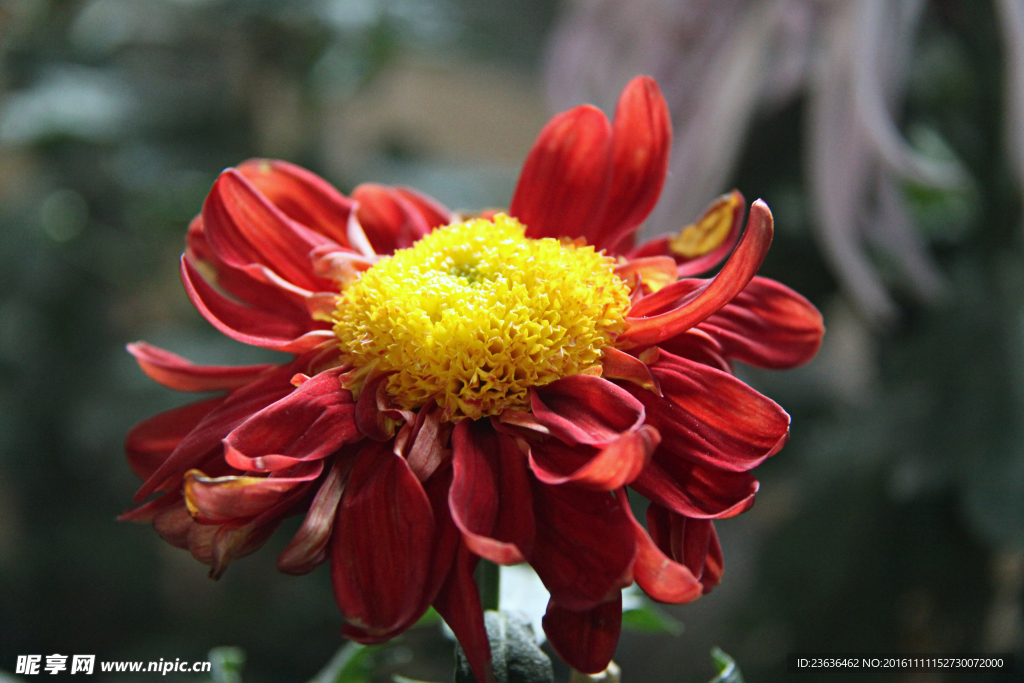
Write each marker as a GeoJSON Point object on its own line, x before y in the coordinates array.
{"type": "Point", "coordinates": [244, 228]}
{"type": "Point", "coordinates": [246, 324]}
{"type": "Point", "coordinates": [174, 523]}
{"type": "Point", "coordinates": [566, 175]}
{"type": "Point", "coordinates": [390, 219]}
{"type": "Point", "coordinates": [310, 423]}
{"type": "Point", "coordinates": [709, 416]}
{"type": "Point", "coordinates": [150, 442]}
{"type": "Point", "coordinates": [584, 548]}
{"type": "Point", "coordinates": [617, 364]}
{"type": "Point", "coordinates": [768, 325]}
{"type": "Point", "coordinates": [308, 548]}
{"type": "Point", "coordinates": [694, 489]}
{"type": "Point", "coordinates": [586, 409]}
{"type": "Point", "coordinates": [698, 345]}
{"type": "Point", "coordinates": [301, 195]}
{"type": "Point", "coordinates": [601, 469]}
{"type": "Point", "coordinates": [692, 542]}
{"type": "Point", "coordinates": [382, 541]}
{"type": "Point", "coordinates": [641, 139]}
{"type": "Point", "coordinates": [490, 499]}
{"type": "Point", "coordinates": [585, 640]}
{"type": "Point", "coordinates": [429, 436]}
{"type": "Point", "coordinates": [663, 578]}
{"type": "Point", "coordinates": [678, 306]}
{"type": "Point", "coordinates": [216, 500]}
{"type": "Point", "coordinates": [205, 438]}
{"type": "Point", "coordinates": [372, 416]}
{"type": "Point", "coordinates": [434, 213]}
{"type": "Point", "coordinates": [175, 372]}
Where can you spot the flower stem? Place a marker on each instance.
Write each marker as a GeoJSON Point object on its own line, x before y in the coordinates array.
{"type": "Point", "coordinates": [487, 579]}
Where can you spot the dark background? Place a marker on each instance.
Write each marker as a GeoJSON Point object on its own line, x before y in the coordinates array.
{"type": "Point", "coordinates": [893, 521]}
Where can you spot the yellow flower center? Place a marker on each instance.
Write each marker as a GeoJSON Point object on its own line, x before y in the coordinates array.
{"type": "Point", "coordinates": [475, 314]}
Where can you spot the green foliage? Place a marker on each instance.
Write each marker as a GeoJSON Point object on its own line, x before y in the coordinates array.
{"type": "Point", "coordinates": [649, 618]}
{"type": "Point", "coordinates": [226, 664]}
{"type": "Point", "coordinates": [726, 667]}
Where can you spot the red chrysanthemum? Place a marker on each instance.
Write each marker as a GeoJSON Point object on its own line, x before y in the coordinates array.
{"type": "Point", "coordinates": [468, 396]}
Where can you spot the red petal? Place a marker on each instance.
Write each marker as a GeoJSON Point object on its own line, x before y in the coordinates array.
{"type": "Point", "coordinates": [641, 139]}
{"type": "Point", "coordinates": [151, 510]}
{"type": "Point", "coordinates": [310, 423]}
{"type": "Point", "coordinates": [490, 498]}
{"type": "Point", "coordinates": [605, 469]}
{"type": "Point", "coordinates": [447, 541]}
{"type": "Point", "coordinates": [433, 212]}
{"type": "Point", "coordinates": [218, 500]}
{"type": "Point", "coordinates": [685, 307]}
{"type": "Point", "coordinates": [459, 604]}
{"type": "Point", "coordinates": [174, 524]}
{"type": "Point", "coordinates": [697, 345]}
{"type": "Point", "coordinates": [690, 541]}
{"type": "Point", "coordinates": [391, 221]}
{"type": "Point", "coordinates": [768, 325]}
{"type": "Point", "coordinates": [245, 324]}
{"type": "Point", "coordinates": [372, 416]}
{"type": "Point", "coordinates": [429, 439]}
{"type": "Point", "coordinates": [585, 640]}
{"type": "Point", "coordinates": [695, 490]}
{"type": "Point", "coordinates": [205, 438]}
{"type": "Point", "coordinates": [661, 577]}
{"type": "Point", "coordinates": [175, 372]}
{"type": "Point", "coordinates": [586, 409]}
{"type": "Point", "coordinates": [566, 175]}
{"type": "Point", "coordinates": [150, 442]}
{"type": "Point", "coordinates": [709, 416]}
{"type": "Point", "coordinates": [382, 542]}
{"type": "Point", "coordinates": [584, 547]}
{"type": "Point", "coordinates": [244, 228]}
{"type": "Point", "coordinates": [301, 195]}
{"type": "Point", "coordinates": [617, 364]}
{"type": "Point", "coordinates": [308, 548]}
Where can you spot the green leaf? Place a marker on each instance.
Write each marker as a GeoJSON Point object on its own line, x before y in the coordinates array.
{"type": "Point", "coordinates": [726, 666]}
{"type": "Point", "coordinates": [429, 618]}
{"type": "Point", "coordinates": [352, 663]}
{"type": "Point", "coordinates": [226, 664]}
{"type": "Point", "coordinates": [402, 679]}
{"type": "Point", "coordinates": [649, 618]}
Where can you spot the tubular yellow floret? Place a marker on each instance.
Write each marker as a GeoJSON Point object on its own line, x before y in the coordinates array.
{"type": "Point", "coordinates": [474, 314]}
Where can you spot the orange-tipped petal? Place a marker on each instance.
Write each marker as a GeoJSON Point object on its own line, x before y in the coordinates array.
{"type": "Point", "coordinates": [566, 175]}
{"type": "Point", "coordinates": [661, 577]}
{"type": "Point", "coordinates": [382, 542]}
{"type": "Point", "coordinates": [586, 409]}
{"type": "Point", "coordinates": [585, 640]}
{"type": "Point", "coordinates": [641, 140]}
{"type": "Point", "coordinates": [490, 498]}
{"type": "Point", "coordinates": [678, 307]}
{"type": "Point", "coordinates": [216, 500]}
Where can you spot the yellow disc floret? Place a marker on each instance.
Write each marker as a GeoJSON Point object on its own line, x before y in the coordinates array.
{"type": "Point", "coordinates": [474, 314]}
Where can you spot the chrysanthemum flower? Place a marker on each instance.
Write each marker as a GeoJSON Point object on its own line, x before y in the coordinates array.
{"type": "Point", "coordinates": [467, 387]}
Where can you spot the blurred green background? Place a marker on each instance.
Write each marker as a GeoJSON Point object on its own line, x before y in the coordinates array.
{"type": "Point", "coordinates": [893, 521]}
